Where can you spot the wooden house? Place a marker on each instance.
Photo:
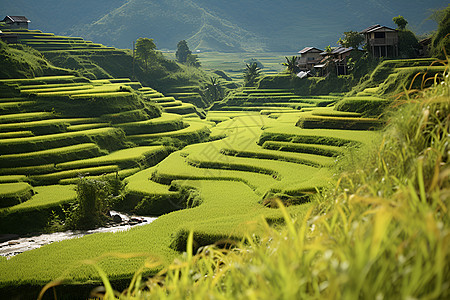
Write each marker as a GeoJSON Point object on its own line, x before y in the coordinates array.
{"type": "Point", "coordinates": [309, 57]}
{"type": "Point", "coordinates": [16, 22]}
{"type": "Point", "coordinates": [335, 60]}
{"type": "Point", "coordinates": [381, 41]}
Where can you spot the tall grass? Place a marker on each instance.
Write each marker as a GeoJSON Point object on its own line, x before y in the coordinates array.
{"type": "Point", "coordinates": [382, 232]}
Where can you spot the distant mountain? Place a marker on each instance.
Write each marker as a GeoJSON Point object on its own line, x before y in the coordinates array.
{"type": "Point", "coordinates": [168, 22]}
{"type": "Point", "coordinates": [232, 25]}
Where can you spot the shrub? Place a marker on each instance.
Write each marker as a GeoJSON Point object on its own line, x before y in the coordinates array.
{"type": "Point", "coordinates": [93, 201]}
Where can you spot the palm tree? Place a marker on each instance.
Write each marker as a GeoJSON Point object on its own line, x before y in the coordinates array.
{"type": "Point", "coordinates": [213, 91]}
{"type": "Point", "coordinates": [291, 64]}
{"type": "Point", "coordinates": [251, 74]}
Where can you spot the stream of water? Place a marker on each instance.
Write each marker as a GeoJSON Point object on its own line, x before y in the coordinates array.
{"type": "Point", "coordinates": [21, 244]}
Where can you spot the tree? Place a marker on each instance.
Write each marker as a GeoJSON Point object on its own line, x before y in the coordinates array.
{"type": "Point", "coordinates": [408, 44]}
{"type": "Point", "coordinates": [92, 205]}
{"type": "Point", "coordinates": [213, 91]}
{"type": "Point", "coordinates": [291, 64]}
{"type": "Point", "coordinates": [192, 60]}
{"type": "Point", "coordinates": [440, 43]}
{"type": "Point", "coordinates": [351, 39]}
{"type": "Point", "coordinates": [400, 22]}
{"type": "Point", "coordinates": [251, 74]}
{"type": "Point", "coordinates": [182, 51]}
{"type": "Point", "coordinates": [145, 50]}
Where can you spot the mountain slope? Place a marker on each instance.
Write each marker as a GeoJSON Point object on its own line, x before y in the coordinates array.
{"type": "Point", "coordinates": [233, 25]}
{"type": "Point", "coordinates": [169, 21]}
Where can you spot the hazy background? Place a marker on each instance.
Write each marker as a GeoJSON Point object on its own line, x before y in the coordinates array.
{"type": "Point", "coordinates": [217, 25]}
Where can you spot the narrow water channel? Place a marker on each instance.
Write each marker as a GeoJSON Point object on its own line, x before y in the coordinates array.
{"type": "Point", "coordinates": [18, 245]}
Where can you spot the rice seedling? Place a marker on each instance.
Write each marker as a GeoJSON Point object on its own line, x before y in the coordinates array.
{"type": "Point", "coordinates": [166, 122]}
{"type": "Point", "coordinates": [195, 132]}
{"type": "Point", "coordinates": [15, 134]}
{"type": "Point", "coordinates": [276, 154]}
{"type": "Point", "coordinates": [121, 174]}
{"type": "Point", "coordinates": [44, 197]}
{"type": "Point", "coordinates": [349, 123]}
{"type": "Point", "coordinates": [183, 109]}
{"type": "Point", "coordinates": [82, 127]}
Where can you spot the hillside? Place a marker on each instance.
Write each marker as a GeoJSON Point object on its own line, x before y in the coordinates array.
{"type": "Point", "coordinates": [285, 25]}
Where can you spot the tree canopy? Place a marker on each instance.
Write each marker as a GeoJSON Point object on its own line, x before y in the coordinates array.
{"type": "Point", "coordinates": [400, 21]}
{"type": "Point", "coordinates": [251, 74]}
{"type": "Point", "coordinates": [351, 39]}
{"type": "Point", "coordinates": [145, 50]}
{"type": "Point", "coordinates": [408, 44]}
{"type": "Point", "coordinates": [182, 51]}
{"type": "Point", "coordinates": [291, 64]}
{"type": "Point", "coordinates": [440, 44]}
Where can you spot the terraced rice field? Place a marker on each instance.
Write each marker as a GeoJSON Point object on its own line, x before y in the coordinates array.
{"type": "Point", "coordinates": [50, 140]}
{"type": "Point", "coordinates": [48, 41]}
{"type": "Point", "coordinates": [271, 100]}
{"type": "Point", "coordinates": [277, 145]}
{"type": "Point", "coordinates": [222, 184]}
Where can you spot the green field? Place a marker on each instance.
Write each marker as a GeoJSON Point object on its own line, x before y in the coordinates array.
{"type": "Point", "coordinates": [233, 64]}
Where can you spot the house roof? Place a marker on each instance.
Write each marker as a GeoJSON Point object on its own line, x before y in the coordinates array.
{"type": "Point", "coordinates": [426, 41]}
{"type": "Point", "coordinates": [309, 49]}
{"type": "Point", "coordinates": [341, 50]}
{"type": "Point", "coordinates": [377, 27]}
{"type": "Point", "coordinates": [337, 50]}
{"type": "Point", "coordinates": [16, 19]}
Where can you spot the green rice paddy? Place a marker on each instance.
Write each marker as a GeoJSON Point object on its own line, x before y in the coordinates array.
{"type": "Point", "coordinates": [255, 146]}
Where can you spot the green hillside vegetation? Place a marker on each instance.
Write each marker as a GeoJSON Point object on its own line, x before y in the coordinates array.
{"type": "Point", "coordinates": [381, 230]}
{"type": "Point", "coordinates": [392, 76]}
{"type": "Point", "coordinates": [24, 62]}
{"type": "Point", "coordinates": [69, 55]}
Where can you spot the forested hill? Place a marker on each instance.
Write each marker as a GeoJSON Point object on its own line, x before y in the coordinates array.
{"type": "Point", "coordinates": [232, 25]}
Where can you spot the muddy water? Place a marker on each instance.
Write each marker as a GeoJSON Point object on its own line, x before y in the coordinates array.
{"type": "Point", "coordinates": [21, 244]}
